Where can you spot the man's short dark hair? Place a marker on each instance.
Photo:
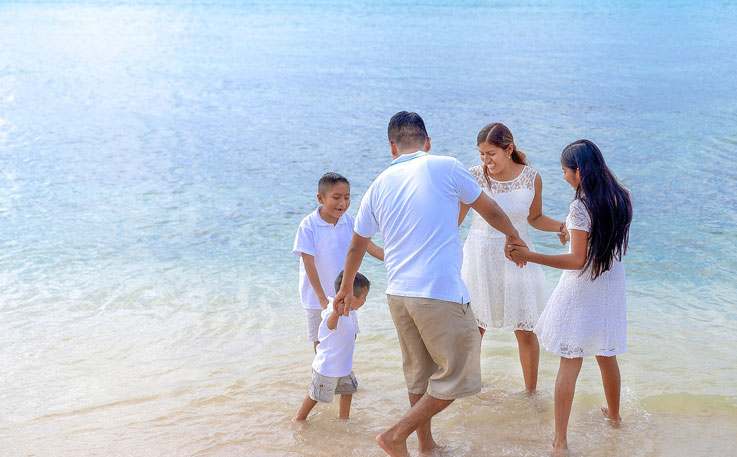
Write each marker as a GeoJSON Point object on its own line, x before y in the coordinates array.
{"type": "Point", "coordinates": [407, 130]}
{"type": "Point", "coordinates": [360, 284]}
{"type": "Point", "coordinates": [328, 180]}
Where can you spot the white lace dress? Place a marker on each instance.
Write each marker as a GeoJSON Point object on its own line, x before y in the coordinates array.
{"type": "Point", "coordinates": [502, 294]}
{"type": "Point", "coordinates": [585, 317]}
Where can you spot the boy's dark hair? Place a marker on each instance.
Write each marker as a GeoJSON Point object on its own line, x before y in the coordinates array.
{"type": "Point", "coordinates": [360, 284]}
{"type": "Point", "coordinates": [407, 130]}
{"type": "Point", "coordinates": [328, 180]}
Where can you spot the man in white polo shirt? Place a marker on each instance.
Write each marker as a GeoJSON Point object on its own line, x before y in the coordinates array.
{"type": "Point", "coordinates": [414, 204]}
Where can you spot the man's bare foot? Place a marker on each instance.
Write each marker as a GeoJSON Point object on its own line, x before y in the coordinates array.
{"type": "Point", "coordinates": [435, 451]}
{"type": "Point", "coordinates": [615, 422]}
{"type": "Point", "coordinates": [392, 448]}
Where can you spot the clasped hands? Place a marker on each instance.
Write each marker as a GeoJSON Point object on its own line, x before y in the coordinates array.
{"type": "Point", "coordinates": [513, 250]}
{"type": "Point", "coordinates": [343, 302]}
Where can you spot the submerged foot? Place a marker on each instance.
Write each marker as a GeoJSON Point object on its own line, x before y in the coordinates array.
{"type": "Point", "coordinates": [392, 448]}
{"type": "Point", "coordinates": [560, 449]}
{"type": "Point", "coordinates": [615, 422]}
{"type": "Point", "coordinates": [433, 451]}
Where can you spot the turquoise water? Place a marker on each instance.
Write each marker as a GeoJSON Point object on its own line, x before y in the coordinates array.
{"type": "Point", "coordinates": [157, 157]}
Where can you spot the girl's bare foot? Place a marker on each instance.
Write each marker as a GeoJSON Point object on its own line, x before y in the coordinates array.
{"type": "Point", "coordinates": [559, 449]}
{"type": "Point", "coordinates": [392, 448]}
{"type": "Point", "coordinates": [615, 422]}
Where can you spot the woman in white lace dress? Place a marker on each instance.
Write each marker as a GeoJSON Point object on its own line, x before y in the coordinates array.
{"type": "Point", "coordinates": [502, 294]}
{"type": "Point", "coordinates": [586, 313]}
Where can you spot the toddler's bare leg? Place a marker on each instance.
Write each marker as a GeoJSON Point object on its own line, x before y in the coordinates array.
{"type": "Point", "coordinates": [345, 405]}
{"type": "Point", "coordinates": [612, 381]}
{"type": "Point", "coordinates": [314, 346]}
{"type": "Point", "coordinates": [565, 387]}
{"type": "Point", "coordinates": [529, 357]}
{"type": "Point", "coordinates": [304, 410]}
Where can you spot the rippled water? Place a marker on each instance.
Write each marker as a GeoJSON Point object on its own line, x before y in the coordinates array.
{"type": "Point", "coordinates": [156, 158]}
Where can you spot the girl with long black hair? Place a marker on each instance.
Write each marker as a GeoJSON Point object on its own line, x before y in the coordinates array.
{"type": "Point", "coordinates": [586, 313]}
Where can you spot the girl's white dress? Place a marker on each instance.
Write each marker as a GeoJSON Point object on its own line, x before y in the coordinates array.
{"type": "Point", "coordinates": [585, 317]}
{"type": "Point", "coordinates": [502, 294]}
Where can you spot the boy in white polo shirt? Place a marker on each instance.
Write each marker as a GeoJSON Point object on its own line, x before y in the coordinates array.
{"type": "Point", "coordinates": [332, 368]}
{"type": "Point", "coordinates": [322, 242]}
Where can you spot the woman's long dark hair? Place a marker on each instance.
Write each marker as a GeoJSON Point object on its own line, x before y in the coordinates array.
{"type": "Point", "coordinates": [608, 203]}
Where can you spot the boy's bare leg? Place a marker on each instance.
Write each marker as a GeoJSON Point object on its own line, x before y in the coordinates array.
{"type": "Point", "coordinates": [304, 410]}
{"type": "Point", "coordinates": [314, 346]}
{"type": "Point", "coordinates": [345, 406]}
{"type": "Point", "coordinates": [529, 357]}
{"type": "Point", "coordinates": [565, 387]}
{"type": "Point", "coordinates": [394, 440]}
{"type": "Point", "coordinates": [612, 381]}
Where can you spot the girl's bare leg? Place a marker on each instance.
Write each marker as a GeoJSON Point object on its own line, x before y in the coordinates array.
{"type": "Point", "coordinates": [304, 410]}
{"type": "Point", "coordinates": [612, 381]}
{"type": "Point", "coordinates": [565, 387]}
{"type": "Point", "coordinates": [529, 357]}
{"type": "Point", "coordinates": [345, 405]}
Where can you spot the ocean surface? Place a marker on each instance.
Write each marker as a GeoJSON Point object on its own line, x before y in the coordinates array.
{"type": "Point", "coordinates": [156, 158]}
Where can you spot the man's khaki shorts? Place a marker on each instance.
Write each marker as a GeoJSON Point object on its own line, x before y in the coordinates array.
{"type": "Point", "coordinates": [441, 346]}
{"type": "Point", "coordinates": [322, 388]}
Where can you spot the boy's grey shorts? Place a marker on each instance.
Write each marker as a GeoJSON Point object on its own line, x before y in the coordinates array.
{"type": "Point", "coordinates": [322, 388]}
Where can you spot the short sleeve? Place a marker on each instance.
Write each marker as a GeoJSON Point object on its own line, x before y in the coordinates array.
{"type": "Point", "coordinates": [304, 241]}
{"type": "Point", "coordinates": [355, 321]}
{"type": "Point", "coordinates": [467, 186]}
{"type": "Point", "coordinates": [366, 224]}
{"type": "Point", "coordinates": [578, 217]}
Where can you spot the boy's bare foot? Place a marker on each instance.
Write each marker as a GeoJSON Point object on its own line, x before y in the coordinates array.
{"type": "Point", "coordinates": [615, 422]}
{"type": "Point", "coordinates": [392, 448]}
{"type": "Point", "coordinates": [298, 419]}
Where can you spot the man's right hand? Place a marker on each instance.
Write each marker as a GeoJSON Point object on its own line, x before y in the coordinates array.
{"type": "Point", "coordinates": [517, 241]}
{"type": "Point", "coordinates": [343, 302]}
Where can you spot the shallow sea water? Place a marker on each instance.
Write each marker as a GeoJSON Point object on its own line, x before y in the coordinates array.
{"type": "Point", "coordinates": [157, 157]}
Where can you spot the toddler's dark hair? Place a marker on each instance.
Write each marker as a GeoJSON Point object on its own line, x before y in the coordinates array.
{"type": "Point", "coordinates": [360, 284]}
{"type": "Point", "coordinates": [328, 180]}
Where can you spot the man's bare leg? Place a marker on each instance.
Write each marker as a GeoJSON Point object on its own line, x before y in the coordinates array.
{"type": "Point", "coordinates": [424, 431]}
{"type": "Point", "coordinates": [394, 440]}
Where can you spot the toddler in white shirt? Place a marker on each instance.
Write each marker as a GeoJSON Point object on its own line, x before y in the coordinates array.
{"type": "Point", "coordinates": [332, 368]}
